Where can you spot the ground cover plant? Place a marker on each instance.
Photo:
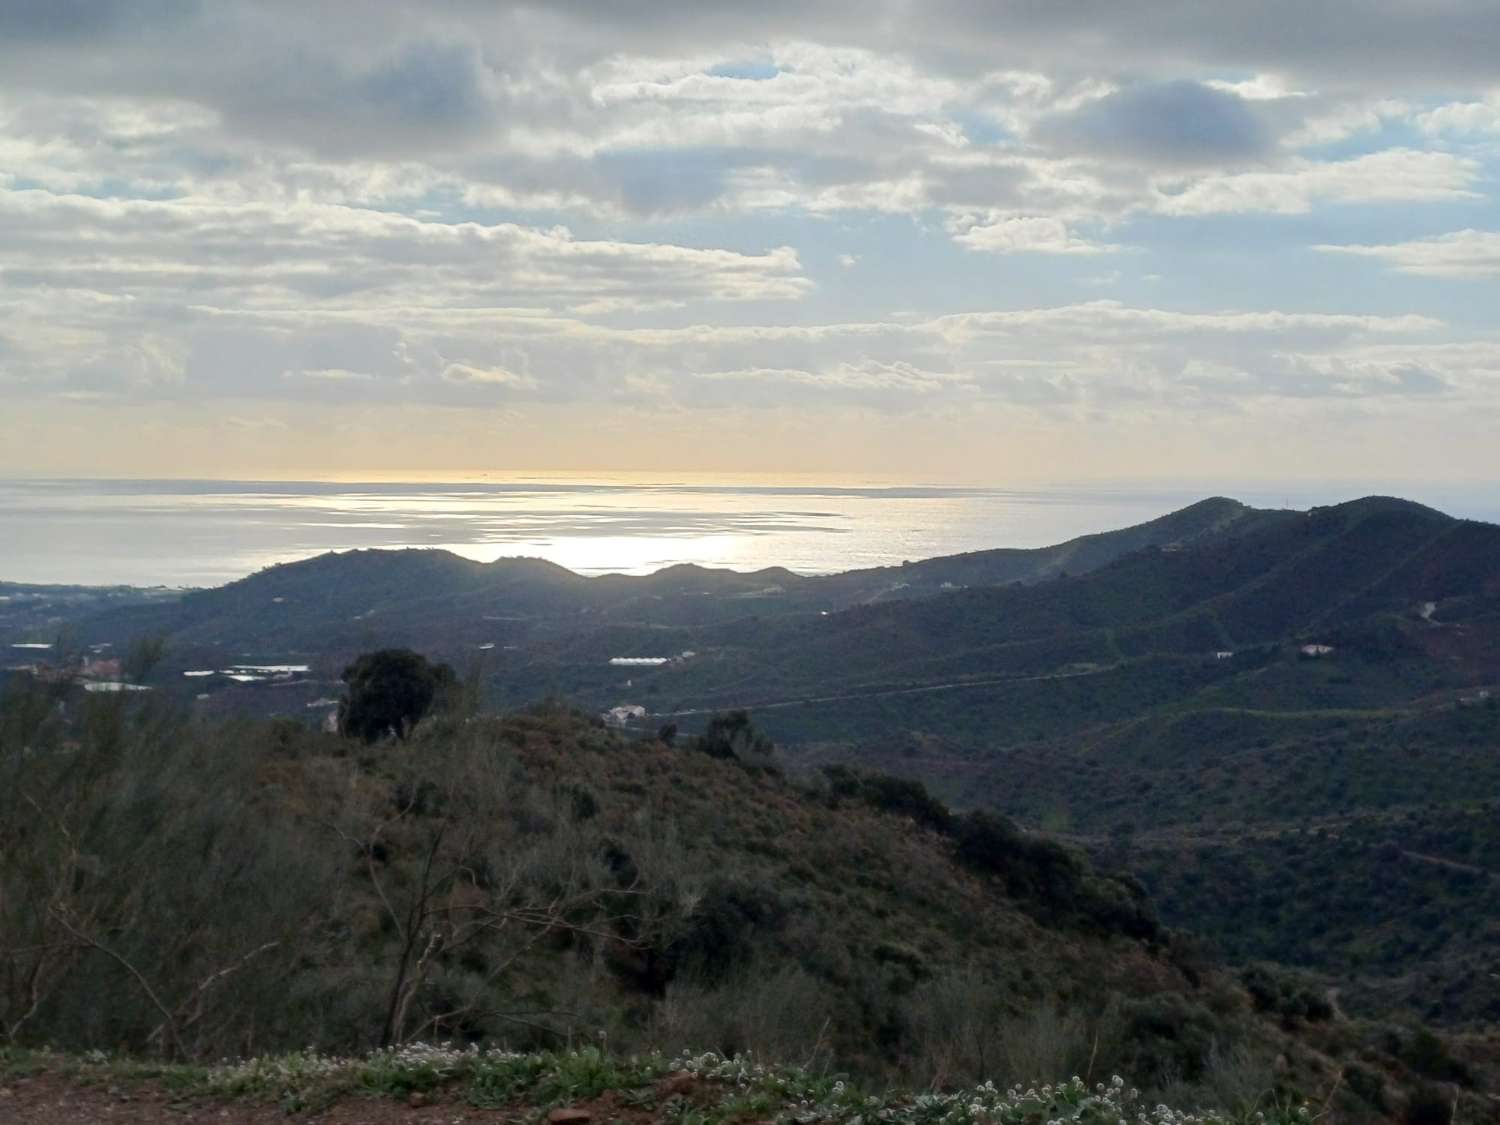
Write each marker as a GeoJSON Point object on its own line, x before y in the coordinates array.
{"type": "Point", "coordinates": [703, 1089]}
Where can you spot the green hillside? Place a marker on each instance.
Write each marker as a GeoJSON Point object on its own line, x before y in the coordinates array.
{"type": "Point", "coordinates": [1153, 705]}
{"type": "Point", "coordinates": [533, 879]}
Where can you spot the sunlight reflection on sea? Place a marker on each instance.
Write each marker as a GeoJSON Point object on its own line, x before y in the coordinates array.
{"type": "Point", "coordinates": [208, 532]}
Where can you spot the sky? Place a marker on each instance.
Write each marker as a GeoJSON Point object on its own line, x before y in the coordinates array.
{"type": "Point", "coordinates": [985, 241]}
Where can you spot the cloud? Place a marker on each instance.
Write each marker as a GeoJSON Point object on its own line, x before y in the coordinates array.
{"type": "Point", "coordinates": [1312, 377]}
{"type": "Point", "coordinates": [542, 206]}
{"type": "Point", "coordinates": [1390, 176]}
{"type": "Point", "coordinates": [858, 376]}
{"type": "Point", "coordinates": [329, 374]}
{"type": "Point", "coordinates": [1462, 254]}
{"type": "Point", "coordinates": [467, 374]}
{"type": "Point", "coordinates": [428, 95]}
{"type": "Point", "coordinates": [1020, 234]}
{"type": "Point", "coordinates": [1462, 118]}
{"type": "Point", "coordinates": [1112, 319]}
{"type": "Point", "coordinates": [1171, 124]}
{"type": "Point", "coordinates": [89, 21]}
{"type": "Point", "coordinates": [259, 255]}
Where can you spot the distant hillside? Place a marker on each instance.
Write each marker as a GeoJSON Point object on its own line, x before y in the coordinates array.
{"type": "Point", "coordinates": [1142, 632]}
{"type": "Point", "coordinates": [427, 597]}
{"type": "Point", "coordinates": [1163, 710]}
{"type": "Point", "coordinates": [1215, 518]}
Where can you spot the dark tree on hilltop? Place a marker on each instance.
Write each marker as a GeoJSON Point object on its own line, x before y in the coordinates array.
{"type": "Point", "coordinates": [389, 692]}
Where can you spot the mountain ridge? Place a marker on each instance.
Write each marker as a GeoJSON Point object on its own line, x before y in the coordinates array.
{"type": "Point", "coordinates": [534, 585]}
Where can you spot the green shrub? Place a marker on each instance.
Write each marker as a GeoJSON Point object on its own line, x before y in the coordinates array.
{"type": "Point", "coordinates": [1281, 994]}
{"type": "Point", "coordinates": [1055, 882]}
{"type": "Point", "coordinates": [721, 932]}
{"type": "Point", "coordinates": [1428, 1055]}
{"type": "Point", "coordinates": [906, 797]}
{"type": "Point", "coordinates": [734, 737]}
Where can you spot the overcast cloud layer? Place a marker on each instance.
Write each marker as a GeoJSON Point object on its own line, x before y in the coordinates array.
{"type": "Point", "coordinates": [952, 239]}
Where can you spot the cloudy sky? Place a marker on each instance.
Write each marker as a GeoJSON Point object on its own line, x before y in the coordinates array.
{"type": "Point", "coordinates": [978, 240]}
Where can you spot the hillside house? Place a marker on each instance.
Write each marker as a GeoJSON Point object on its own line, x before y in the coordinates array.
{"type": "Point", "coordinates": [624, 715]}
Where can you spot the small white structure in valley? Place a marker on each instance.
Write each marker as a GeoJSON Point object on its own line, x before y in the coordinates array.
{"type": "Point", "coordinates": [1315, 650]}
{"type": "Point", "coordinates": [623, 715]}
{"type": "Point", "coordinates": [1224, 654]}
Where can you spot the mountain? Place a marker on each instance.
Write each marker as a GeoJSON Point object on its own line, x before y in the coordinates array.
{"type": "Point", "coordinates": [1210, 689]}
{"type": "Point", "coordinates": [338, 599]}
{"type": "Point", "coordinates": [1214, 518]}
{"type": "Point", "coordinates": [1290, 805]}
{"type": "Point", "coordinates": [1003, 663]}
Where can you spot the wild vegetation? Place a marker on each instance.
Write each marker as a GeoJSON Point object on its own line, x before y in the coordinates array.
{"type": "Point", "coordinates": [190, 891]}
{"type": "Point", "coordinates": [705, 1088]}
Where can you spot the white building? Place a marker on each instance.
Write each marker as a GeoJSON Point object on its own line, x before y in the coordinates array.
{"type": "Point", "coordinates": [624, 715]}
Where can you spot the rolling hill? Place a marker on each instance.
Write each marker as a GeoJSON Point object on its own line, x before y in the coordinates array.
{"type": "Point", "coordinates": [1148, 685]}
{"type": "Point", "coordinates": [534, 880]}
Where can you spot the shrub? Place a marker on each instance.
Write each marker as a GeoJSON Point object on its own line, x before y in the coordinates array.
{"type": "Point", "coordinates": [1280, 994]}
{"type": "Point", "coordinates": [734, 737]}
{"type": "Point", "coordinates": [719, 938]}
{"type": "Point", "coordinates": [1366, 1084]}
{"type": "Point", "coordinates": [1168, 1038]}
{"type": "Point", "coordinates": [1428, 1055]}
{"type": "Point", "coordinates": [906, 797]}
{"type": "Point", "coordinates": [1054, 881]}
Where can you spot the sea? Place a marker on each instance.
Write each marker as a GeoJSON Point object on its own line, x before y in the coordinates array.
{"type": "Point", "coordinates": [194, 533]}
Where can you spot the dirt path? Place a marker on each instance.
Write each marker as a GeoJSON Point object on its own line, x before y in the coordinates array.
{"type": "Point", "coordinates": [48, 1099]}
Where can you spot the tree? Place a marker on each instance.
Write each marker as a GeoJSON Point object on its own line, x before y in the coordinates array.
{"type": "Point", "coordinates": [144, 654]}
{"type": "Point", "coordinates": [390, 690]}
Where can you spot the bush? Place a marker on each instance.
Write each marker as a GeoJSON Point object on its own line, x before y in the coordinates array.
{"type": "Point", "coordinates": [733, 736]}
{"type": "Point", "coordinates": [720, 936]}
{"type": "Point", "coordinates": [1366, 1084]}
{"type": "Point", "coordinates": [1428, 1055]}
{"type": "Point", "coordinates": [1054, 881]}
{"type": "Point", "coordinates": [1279, 994]}
{"type": "Point", "coordinates": [906, 797]}
{"type": "Point", "coordinates": [1169, 1038]}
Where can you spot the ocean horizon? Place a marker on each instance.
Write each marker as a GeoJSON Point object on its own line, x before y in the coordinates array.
{"type": "Point", "coordinates": [209, 532]}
